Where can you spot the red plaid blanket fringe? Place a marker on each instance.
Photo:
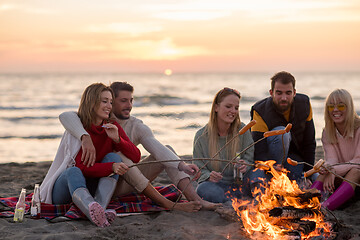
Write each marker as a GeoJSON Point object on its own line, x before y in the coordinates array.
{"type": "Point", "coordinates": [130, 203]}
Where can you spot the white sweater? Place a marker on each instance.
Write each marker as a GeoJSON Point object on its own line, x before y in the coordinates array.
{"type": "Point", "coordinates": [65, 157]}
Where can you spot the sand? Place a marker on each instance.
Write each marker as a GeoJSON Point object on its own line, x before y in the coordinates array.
{"type": "Point", "coordinates": [161, 225]}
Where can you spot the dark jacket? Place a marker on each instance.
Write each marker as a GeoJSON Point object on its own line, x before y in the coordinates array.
{"type": "Point", "coordinates": [303, 141]}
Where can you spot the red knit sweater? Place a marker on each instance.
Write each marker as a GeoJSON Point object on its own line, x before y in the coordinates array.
{"type": "Point", "coordinates": [104, 145]}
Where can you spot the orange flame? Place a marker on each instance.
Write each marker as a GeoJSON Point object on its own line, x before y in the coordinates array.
{"type": "Point", "coordinates": [280, 192]}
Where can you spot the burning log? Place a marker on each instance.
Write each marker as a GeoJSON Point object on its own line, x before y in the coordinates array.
{"type": "Point", "coordinates": [292, 235]}
{"type": "Point", "coordinates": [304, 198]}
{"type": "Point", "coordinates": [303, 226]}
{"type": "Point", "coordinates": [308, 195]}
{"type": "Point", "coordinates": [293, 213]}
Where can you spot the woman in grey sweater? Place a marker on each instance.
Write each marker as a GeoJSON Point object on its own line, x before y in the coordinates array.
{"type": "Point", "coordinates": [217, 183]}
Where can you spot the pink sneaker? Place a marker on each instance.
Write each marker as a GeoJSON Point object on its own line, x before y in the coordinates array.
{"type": "Point", "coordinates": [97, 215]}
{"type": "Point", "coordinates": [110, 215]}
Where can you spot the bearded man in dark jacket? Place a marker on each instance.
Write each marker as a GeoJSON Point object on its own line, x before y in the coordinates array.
{"type": "Point", "coordinates": [273, 113]}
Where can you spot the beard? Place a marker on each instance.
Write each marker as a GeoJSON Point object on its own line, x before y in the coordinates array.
{"type": "Point", "coordinates": [121, 116]}
{"type": "Point", "coordinates": [281, 107]}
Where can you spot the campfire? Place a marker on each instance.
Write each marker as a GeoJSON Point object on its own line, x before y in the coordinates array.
{"type": "Point", "coordinates": [283, 211]}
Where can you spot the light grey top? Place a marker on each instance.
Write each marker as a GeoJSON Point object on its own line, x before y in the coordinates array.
{"type": "Point", "coordinates": [201, 150]}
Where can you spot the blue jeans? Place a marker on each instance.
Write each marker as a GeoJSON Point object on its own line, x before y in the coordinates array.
{"type": "Point", "coordinates": [72, 179]}
{"type": "Point", "coordinates": [213, 192]}
{"type": "Point", "coordinates": [278, 146]}
{"type": "Point", "coordinates": [217, 192]}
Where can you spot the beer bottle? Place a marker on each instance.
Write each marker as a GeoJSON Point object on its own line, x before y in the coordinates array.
{"type": "Point", "coordinates": [20, 207]}
{"type": "Point", "coordinates": [35, 203]}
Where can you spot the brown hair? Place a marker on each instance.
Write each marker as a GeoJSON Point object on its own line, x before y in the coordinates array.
{"type": "Point", "coordinates": [121, 86]}
{"type": "Point", "coordinates": [90, 100]}
{"type": "Point", "coordinates": [283, 77]}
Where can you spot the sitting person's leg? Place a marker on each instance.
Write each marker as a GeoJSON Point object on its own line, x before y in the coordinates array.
{"type": "Point", "coordinates": [106, 187]}
{"type": "Point", "coordinates": [278, 146]}
{"type": "Point", "coordinates": [295, 172]}
{"type": "Point", "coordinates": [211, 192]}
{"type": "Point", "coordinates": [71, 184]}
{"type": "Point", "coordinates": [134, 180]}
{"type": "Point", "coordinates": [148, 172]}
{"type": "Point", "coordinates": [65, 185]}
{"type": "Point", "coordinates": [254, 182]}
{"type": "Point", "coordinates": [319, 183]}
{"type": "Point", "coordinates": [344, 192]}
{"type": "Point", "coordinates": [182, 181]}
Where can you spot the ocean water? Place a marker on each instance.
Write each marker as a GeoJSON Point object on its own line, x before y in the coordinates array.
{"type": "Point", "coordinates": [175, 106]}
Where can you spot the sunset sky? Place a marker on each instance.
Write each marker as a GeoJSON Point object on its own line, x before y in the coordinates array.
{"type": "Point", "coordinates": [182, 35]}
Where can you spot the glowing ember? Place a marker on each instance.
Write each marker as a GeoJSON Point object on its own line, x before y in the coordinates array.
{"type": "Point", "coordinates": [279, 211]}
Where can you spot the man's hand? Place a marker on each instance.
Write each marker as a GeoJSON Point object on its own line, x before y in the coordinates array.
{"type": "Point", "coordinates": [215, 177]}
{"type": "Point", "coordinates": [190, 169]}
{"type": "Point", "coordinates": [120, 168]}
{"type": "Point", "coordinates": [88, 155]}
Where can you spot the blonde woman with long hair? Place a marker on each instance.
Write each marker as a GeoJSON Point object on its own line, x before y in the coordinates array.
{"type": "Point", "coordinates": [341, 143]}
{"type": "Point", "coordinates": [224, 123]}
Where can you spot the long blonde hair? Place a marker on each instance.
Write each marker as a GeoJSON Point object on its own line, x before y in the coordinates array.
{"type": "Point", "coordinates": [352, 120]}
{"type": "Point", "coordinates": [213, 131]}
{"type": "Point", "coordinates": [90, 100]}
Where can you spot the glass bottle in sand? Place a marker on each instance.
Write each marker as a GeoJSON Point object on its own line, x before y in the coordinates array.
{"type": "Point", "coordinates": [238, 176]}
{"type": "Point", "coordinates": [20, 207]}
{"type": "Point", "coordinates": [35, 203]}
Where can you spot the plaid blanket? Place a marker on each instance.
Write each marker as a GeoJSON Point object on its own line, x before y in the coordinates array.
{"type": "Point", "coordinates": [131, 203]}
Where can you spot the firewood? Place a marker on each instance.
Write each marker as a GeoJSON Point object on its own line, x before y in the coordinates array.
{"type": "Point", "coordinates": [293, 213]}
{"type": "Point", "coordinates": [303, 226]}
{"type": "Point", "coordinates": [308, 195]}
{"type": "Point", "coordinates": [291, 235]}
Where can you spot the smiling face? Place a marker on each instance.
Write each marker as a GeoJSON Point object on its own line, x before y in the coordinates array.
{"type": "Point", "coordinates": [123, 104]}
{"type": "Point", "coordinates": [227, 109]}
{"type": "Point", "coordinates": [103, 109]}
{"type": "Point", "coordinates": [337, 111]}
{"type": "Point", "coordinates": [283, 95]}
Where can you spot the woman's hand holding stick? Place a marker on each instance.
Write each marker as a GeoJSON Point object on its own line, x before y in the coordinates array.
{"type": "Point", "coordinates": [317, 168]}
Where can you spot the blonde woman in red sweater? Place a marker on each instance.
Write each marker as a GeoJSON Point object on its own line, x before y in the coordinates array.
{"type": "Point", "coordinates": [341, 143]}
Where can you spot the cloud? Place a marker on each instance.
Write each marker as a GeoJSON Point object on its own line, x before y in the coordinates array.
{"type": "Point", "coordinates": [136, 49]}
{"type": "Point", "coordinates": [27, 9]}
{"type": "Point", "coordinates": [7, 7]}
{"type": "Point", "coordinates": [132, 29]}
{"type": "Point", "coordinates": [280, 10]}
{"type": "Point", "coordinates": [164, 49]}
{"type": "Point", "coordinates": [192, 15]}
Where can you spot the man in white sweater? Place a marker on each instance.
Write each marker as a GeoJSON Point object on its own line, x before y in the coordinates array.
{"type": "Point", "coordinates": [138, 178]}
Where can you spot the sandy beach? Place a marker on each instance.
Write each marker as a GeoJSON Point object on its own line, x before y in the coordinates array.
{"type": "Point", "coordinates": [160, 225]}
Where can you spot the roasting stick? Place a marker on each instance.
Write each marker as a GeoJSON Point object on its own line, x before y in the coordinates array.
{"type": "Point", "coordinates": [241, 132]}
{"type": "Point", "coordinates": [266, 134]}
{"type": "Point", "coordinates": [256, 165]}
{"type": "Point", "coordinates": [316, 168]}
